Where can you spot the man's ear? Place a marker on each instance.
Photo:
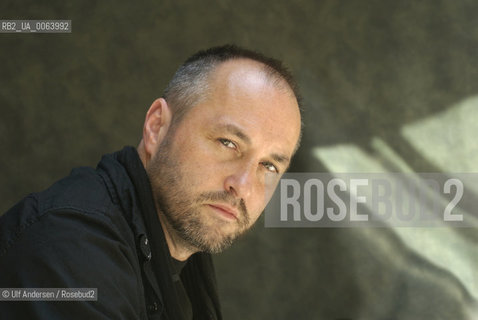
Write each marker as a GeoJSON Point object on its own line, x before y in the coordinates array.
{"type": "Point", "coordinates": [156, 125]}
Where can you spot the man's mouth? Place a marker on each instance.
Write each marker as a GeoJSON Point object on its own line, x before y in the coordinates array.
{"type": "Point", "coordinates": [225, 211]}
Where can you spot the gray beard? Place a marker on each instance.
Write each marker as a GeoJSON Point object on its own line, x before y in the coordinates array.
{"type": "Point", "coordinates": [181, 209]}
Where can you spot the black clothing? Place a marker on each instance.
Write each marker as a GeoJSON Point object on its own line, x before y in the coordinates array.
{"type": "Point", "coordinates": [178, 284]}
{"type": "Point", "coordinates": [99, 229]}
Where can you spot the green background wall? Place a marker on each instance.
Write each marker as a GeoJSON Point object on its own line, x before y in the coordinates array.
{"type": "Point", "coordinates": [388, 86]}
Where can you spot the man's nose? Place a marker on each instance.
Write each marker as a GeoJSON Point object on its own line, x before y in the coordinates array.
{"type": "Point", "coordinates": [240, 183]}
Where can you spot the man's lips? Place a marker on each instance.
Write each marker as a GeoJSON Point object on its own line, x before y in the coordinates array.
{"type": "Point", "coordinates": [225, 210]}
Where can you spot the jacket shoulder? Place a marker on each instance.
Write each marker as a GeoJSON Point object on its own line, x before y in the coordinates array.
{"type": "Point", "coordinates": [82, 192]}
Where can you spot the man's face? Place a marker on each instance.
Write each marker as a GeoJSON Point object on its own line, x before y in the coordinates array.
{"type": "Point", "coordinates": [213, 176]}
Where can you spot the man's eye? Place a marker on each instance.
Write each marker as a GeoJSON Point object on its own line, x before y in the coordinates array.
{"type": "Point", "coordinates": [269, 166]}
{"type": "Point", "coordinates": [228, 143]}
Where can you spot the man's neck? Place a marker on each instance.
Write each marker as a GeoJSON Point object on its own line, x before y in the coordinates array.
{"type": "Point", "coordinates": [178, 248]}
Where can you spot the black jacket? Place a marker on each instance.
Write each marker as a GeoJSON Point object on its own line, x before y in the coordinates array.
{"type": "Point", "coordinates": [86, 231]}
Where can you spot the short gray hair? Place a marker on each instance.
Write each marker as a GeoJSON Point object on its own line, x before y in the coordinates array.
{"type": "Point", "coordinates": [190, 82]}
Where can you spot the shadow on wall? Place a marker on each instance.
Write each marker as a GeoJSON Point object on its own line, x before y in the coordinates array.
{"type": "Point", "coordinates": [437, 263]}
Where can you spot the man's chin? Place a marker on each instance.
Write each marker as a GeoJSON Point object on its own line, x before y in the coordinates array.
{"type": "Point", "coordinates": [210, 234]}
{"type": "Point", "coordinates": [214, 243]}
{"type": "Point", "coordinates": [217, 248]}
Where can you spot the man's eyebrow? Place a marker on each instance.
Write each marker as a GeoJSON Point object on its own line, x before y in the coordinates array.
{"type": "Point", "coordinates": [280, 158]}
{"type": "Point", "coordinates": [235, 130]}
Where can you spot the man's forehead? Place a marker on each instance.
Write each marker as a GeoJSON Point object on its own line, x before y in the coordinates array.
{"type": "Point", "coordinates": [248, 78]}
{"type": "Point", "coordinates": [240, 91]}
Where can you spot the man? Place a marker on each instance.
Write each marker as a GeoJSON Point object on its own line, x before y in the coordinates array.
{"type": "Point", "coordinates": [142, 226]}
